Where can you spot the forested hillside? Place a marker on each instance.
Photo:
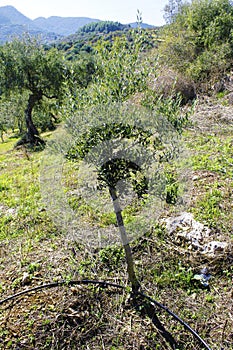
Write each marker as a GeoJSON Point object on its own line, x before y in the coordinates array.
{"type": "Point", "coordinates": [116, 185]}
{"type": "Point", "coordinates": [14, 24]}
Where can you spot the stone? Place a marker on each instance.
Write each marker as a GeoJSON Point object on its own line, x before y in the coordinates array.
{"type": "Point", "coordinates": [184, 226]}
{"type": "Point", "coordinates": [198, 236]}
{"type": "Point", "coordinates": [26, 279]}
{"type": "Point", "coordinates": [214, 247]}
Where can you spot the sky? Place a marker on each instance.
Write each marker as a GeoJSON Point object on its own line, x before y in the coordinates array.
{"type": "Point", "coordinates": [113, 10]}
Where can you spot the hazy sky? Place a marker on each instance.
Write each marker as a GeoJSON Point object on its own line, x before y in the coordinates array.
{"type": "Point", "coordinates": [116, 10]}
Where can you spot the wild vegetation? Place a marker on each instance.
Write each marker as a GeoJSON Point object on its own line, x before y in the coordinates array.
{"type": "Point", "coordinates": [198, 41]}
{"type": "Point", "coordinates": [151, 111]}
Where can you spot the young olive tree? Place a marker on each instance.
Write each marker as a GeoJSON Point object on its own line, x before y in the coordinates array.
{"type": "Point", "coordinates": [113, 171]}
{"type": "Point", "coordinates": [28, 69]}
{"type": "Point", "coordinates": [121, 69]}
{"type": "Point", "coordinates": [126, 152]}
{"type": "Point", "coordinates": [127, 145]}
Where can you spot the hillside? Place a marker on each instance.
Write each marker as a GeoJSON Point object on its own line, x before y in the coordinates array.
{"type": "Point", "coordinates": [13, 24]}
{"type": "Point", "coordinates": [10, 15]}
{"type": "Point", "coordinates": [9, 32]}
{"type": "Point", "coordinates": [62, 25]}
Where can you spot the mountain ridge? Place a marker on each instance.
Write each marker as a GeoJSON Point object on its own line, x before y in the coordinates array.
{"type": "Point", "coordinates": [63, 25]}
{"type": "Point", "coordinates": [13, 15]}
{"type": "Point", "coordinates": [14, 24]}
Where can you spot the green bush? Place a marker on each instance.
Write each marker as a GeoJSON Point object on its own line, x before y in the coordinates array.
{"type": "Point", "coordinates": [198, 42]}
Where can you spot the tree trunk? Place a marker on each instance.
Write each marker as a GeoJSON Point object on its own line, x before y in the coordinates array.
{"type": "Point", "coordinates": [1, 134]}
{"type": "Point", "coordinates": [124, 239]}
{"type": "Point", "coordinates": [32, 134]}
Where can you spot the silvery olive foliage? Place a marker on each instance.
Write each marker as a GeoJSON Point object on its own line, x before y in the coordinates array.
{"type": "Point", "coordinates": [120, 146]}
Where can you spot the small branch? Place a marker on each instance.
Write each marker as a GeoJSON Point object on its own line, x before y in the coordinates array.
{"type": "Point", "coordinates": [50, 97]}
{"type": "Point", "coordinates": [223, 331]}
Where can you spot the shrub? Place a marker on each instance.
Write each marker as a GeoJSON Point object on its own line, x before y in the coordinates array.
{"type": "Point", "coordinates": [198, 42]}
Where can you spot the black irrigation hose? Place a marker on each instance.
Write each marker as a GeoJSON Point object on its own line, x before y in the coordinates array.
{"type": "Point", "coordinates": [177, 318]}
{"type": "Point", "coordinates": [60, 283]}
{"type": "Point", "coordinates": [108, 284]}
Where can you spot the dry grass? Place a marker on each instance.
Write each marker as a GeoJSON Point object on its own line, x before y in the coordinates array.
{"type": "Point", "coordinates": [171, 83]}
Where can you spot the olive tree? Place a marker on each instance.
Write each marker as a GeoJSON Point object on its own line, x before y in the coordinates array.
{"type": "Point", "coordinates": [27, 68]}
{"type": "Point", "coordinates": [121, 152]}
{"type": "Point", "coordinates": [122, 70]}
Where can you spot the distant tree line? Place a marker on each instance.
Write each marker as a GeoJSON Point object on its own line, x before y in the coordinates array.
{"type": "Point", "coordinates": [103, 27]}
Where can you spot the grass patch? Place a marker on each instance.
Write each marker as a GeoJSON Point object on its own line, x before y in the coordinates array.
{"type": "Point", "coordinates": [34, 251]}
{"type": "Point", "coordinates": [211, 157]}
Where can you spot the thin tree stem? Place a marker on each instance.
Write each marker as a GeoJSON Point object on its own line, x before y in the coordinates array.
{"type": "Point", "coordinates": [124, 239]}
